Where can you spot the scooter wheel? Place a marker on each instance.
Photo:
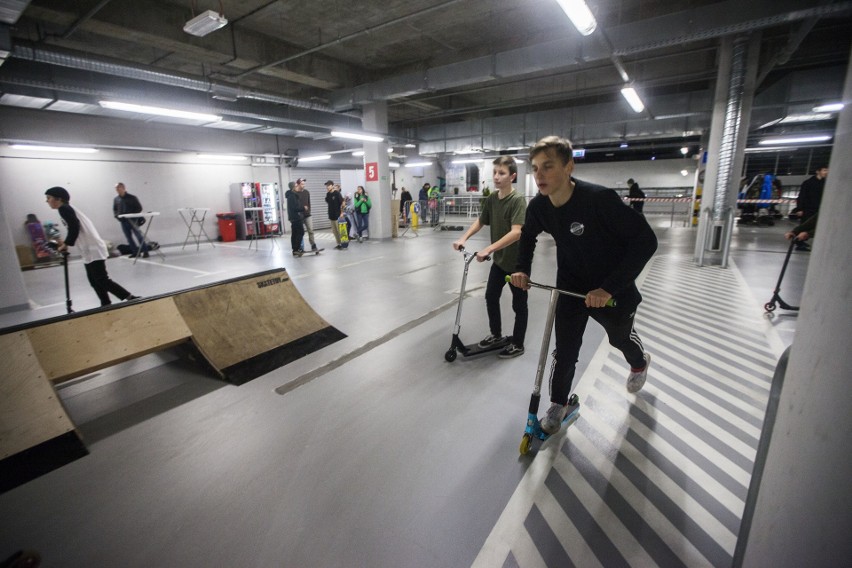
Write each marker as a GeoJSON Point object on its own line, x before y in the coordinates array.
{"type": "Point", "coordinates": [526, 442]}
{"type": "Point", "coordinates": [769, 306]}
{"type": "Point", "coordinates": [450, 355]}
{"type": "Point", "coordinates": [573, 400]}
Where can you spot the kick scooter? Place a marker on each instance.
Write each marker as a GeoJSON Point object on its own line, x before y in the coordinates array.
{"type": "Point", "coordinates": [54, 246]}
{"type": "Point", "coordinates": [457, 345]}
{"type": "Point", "coordinates": [533, 429]}
{"type": "Point", "coordinates": [776, 298]}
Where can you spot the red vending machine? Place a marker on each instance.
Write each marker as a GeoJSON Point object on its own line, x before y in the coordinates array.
{"type": "Point", "coordinates": [258, 207]}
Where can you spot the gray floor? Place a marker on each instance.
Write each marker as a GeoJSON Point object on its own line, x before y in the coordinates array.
{"type": "Point", "coordinates": [385, 454]}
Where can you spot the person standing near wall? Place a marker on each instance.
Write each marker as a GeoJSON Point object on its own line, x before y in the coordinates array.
{"type": "Point", "coordinates": [335, 209]}
{"type": "Point", "coordinates": [601, 247]}
{"type": "Point", "coordinates": [122, 204]}
{"type": "Point", "coordinates": [297, 223]}
{"type": "Point", "coordinates": [809, 199]}
{"type": "Point", "coordinates": [85, 238]}
{"type": "Point", "coordinates": [362, 205]}
{"type": "Point", "coordinates": [404, 204]}
{"type": "Point", "coordinates": [504, 211]}
{"type": "Point", "coordinates": [635, 193]}
{"type": "Point", "coordinates": [305, 200]}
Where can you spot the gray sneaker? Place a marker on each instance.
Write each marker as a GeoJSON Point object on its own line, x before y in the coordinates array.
{"type": "Point", "coordinates": [552, 421]}
{"type": "Point", "coordinates": [636, 379]}
{"type": "Point", "coordinates": [490, 340]}
{"type": "Point", "coordinates": [510, 351]}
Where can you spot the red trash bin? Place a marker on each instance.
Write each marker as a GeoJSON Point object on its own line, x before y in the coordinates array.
{"type": "Point", "coordinates": [227, 226]}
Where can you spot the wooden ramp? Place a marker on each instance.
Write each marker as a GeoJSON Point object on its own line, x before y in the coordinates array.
{"type": "Point", "coordinates": [243, 328]}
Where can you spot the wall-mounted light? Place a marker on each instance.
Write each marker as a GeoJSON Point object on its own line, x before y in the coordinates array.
{"type": "Point", "coordinates": [794, 139]}
{"type": "Point", "coordinates": [159, 111]}
{"type": "Point", "coordinates": [356, 136]}
{"type": "Point", "coordinates": [579, 14]}
{"type": "Point", "coordinates": [632, 98]}
{"type": "Point", "coordinates": [317, 158]}
{"type": "Point", "coordinates": [418, 164]}
{"type": "Point", "coordinates": [71, 149]}
{"type": "Point", "coordinates": [393, 164]}
{"type": "Point", "coordinates": [358, 153]}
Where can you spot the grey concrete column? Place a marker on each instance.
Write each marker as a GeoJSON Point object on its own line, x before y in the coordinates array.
{"type": "Point", "coordinates": [375, 120]}
{"type": "Point", "coordinates": [735, 86]}
{"type": "Point", "coordinates": [13, 295]}
{"type": "Point", "coordinates": [803, 511]}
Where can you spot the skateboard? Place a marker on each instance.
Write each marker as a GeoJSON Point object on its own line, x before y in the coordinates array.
{"type": "Point", "coordinates": [311, 252]}
{"type": "Point", "coordinates": [39, 241]}
{"type": "Point", "coordinates": [343, 231]}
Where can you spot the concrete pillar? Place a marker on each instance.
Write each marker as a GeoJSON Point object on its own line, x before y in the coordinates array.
{"type": "Point", "coordinates": [13, 295]}
{"type": "Point", "coordinates": [735, 86]}
{"type": "Point", "coordinates": [375, 120]}
{"type": "Point", "coordinates": [803, 511]}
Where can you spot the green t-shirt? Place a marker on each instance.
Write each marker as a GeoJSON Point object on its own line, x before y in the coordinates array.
{"type": "Point", "coordinates": [500, 215]}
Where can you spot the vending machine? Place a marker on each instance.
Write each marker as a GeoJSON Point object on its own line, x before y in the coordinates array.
{"type": "Point", "coordinates": [258, 209]}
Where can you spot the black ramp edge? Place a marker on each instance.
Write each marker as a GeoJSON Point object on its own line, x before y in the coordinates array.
{"type": "Point", "coordinates": [263, 363]}
{"type": "Point", "coordinates": [39, 460]}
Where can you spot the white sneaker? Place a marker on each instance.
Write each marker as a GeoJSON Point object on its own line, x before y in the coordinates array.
{"type": "Point", "coordinates": [636, 379]}
{"type": "Point", "coordinates": [552, 421]}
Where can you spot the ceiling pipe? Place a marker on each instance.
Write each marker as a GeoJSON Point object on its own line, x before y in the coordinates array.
{"type": "Point", "coordinates": [84, 63]}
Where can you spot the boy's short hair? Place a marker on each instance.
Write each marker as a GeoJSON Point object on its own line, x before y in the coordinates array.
{"type": "Point", "coordinates": [562, 147]}
{"type": "Point", "coordinates": [507, 161]}
{"type": "Point", "coordinates": [328, 183]}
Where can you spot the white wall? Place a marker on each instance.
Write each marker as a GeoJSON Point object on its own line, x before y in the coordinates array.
{"type": "Point", "coordinates": [162, 182]}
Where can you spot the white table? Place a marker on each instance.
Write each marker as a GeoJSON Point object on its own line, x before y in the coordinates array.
{"type": "Point", "coordinates": [193, 217]}
{"type": "Point", "coordinates": [149, 217]}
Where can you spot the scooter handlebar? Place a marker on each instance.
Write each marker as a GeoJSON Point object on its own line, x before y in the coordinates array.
{"type": "Point", "coordinates": [471, 254]}
{"type": "Point", "coordinates": [611, 303]}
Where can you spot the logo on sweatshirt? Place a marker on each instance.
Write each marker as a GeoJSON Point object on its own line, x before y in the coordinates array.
{"type": "Point", "coordinates": [577, 229]}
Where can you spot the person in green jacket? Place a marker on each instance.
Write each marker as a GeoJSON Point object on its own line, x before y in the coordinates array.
{"type": "Point", "coordinates": [362, 207]}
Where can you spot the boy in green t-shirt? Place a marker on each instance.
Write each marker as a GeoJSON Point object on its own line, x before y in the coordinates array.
{"type": "Point", "coordinates": [504, 210]}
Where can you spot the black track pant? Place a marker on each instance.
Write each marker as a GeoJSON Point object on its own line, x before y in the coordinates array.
{"type": "Point", "coordinates": [493, 290]}
{"type": "Point", "coordinates": [100, 281]}
{"type": "Point", "coordinates": [570, 324]}
{"type": "Point", "coordinates": [297, 233]}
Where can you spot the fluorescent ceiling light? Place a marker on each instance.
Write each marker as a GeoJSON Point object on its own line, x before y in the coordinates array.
{"type": "Point", "coordinates": [159, 111]}
{"type": "Point", "coordinates": [768, 149]}
{"type": "Point", "coordinates": [579, 14]}
{"type": "Point", "coordinates": [221, 157]}
{"type": "Point", "coordinates": [629, 94]}
{"type": "Point", "coordinates": [468, 161]}
{"type": "Point", "coordinates": [393, 164]}
{"type": "Point", "coordinates": [390, 149]}
{"type": "Point", "coordinates": [418, 164]}
{"type": "Point", "coordinates": [831, 107]}
{"type": "Point", "coordinates": [684, 150]}
{"type": "Point", "coordinates": [358, 153]}
{"type": "Point", "coordinates": [623, 145]}
{"type": "Point", "coordinates": [684, 173]}
{"type": "Point", "coordinates": [409, 146]}
{"type": "Point", "coordinates": [356, 136]}
{"type": "Point", "coordinates": [315, 158]}
{"type": "Point", "coordinates": [810, 117]}
{"type": "Point", "coordinates": [204, 23]}
{"type": "Point", "coordinates": [794, 139]}
{"type": "Point", "coordinates": [75, 150]}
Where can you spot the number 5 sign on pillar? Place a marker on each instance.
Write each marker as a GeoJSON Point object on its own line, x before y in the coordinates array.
{"type": "Point", "coordinates": [372, 171]}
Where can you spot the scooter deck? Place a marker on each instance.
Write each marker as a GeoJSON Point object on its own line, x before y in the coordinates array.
{"type": "Point", "coordinates": [474, 348]}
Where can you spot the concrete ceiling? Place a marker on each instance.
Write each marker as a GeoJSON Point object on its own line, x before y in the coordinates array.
{"type": "Point", "coordinates": [456, 75]}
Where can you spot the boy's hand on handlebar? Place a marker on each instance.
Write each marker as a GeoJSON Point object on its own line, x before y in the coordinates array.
{"type": "Point", "coordinates": [458, 245]}
{"type": "Point", "coordinates": [597, 298]}
{"type": "Point", "coordinates": [482, 256]}
{"type": "Point", "coordinates": [520, 280]}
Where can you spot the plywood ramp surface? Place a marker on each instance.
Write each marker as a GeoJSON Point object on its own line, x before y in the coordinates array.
{"type": "Point", "coordinates": [30, 411]}
{"type": "Point", "coordinates": [76, 346]}
{"type": "Point", "coordinates": [240, 320]}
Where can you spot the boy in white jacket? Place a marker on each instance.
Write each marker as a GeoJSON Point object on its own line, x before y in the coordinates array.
{"type": "Point", "coordinates": [85, 238]}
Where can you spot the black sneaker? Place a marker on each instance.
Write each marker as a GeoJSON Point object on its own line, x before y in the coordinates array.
{"type": "Point", "coordinates": [510, 351]}
{"type": "Point", "coordinates": [490, 340]}
{"type": "Point", "coordinates": [298, 253]}
{"type": "Point", "coordinates": [131, 297]}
